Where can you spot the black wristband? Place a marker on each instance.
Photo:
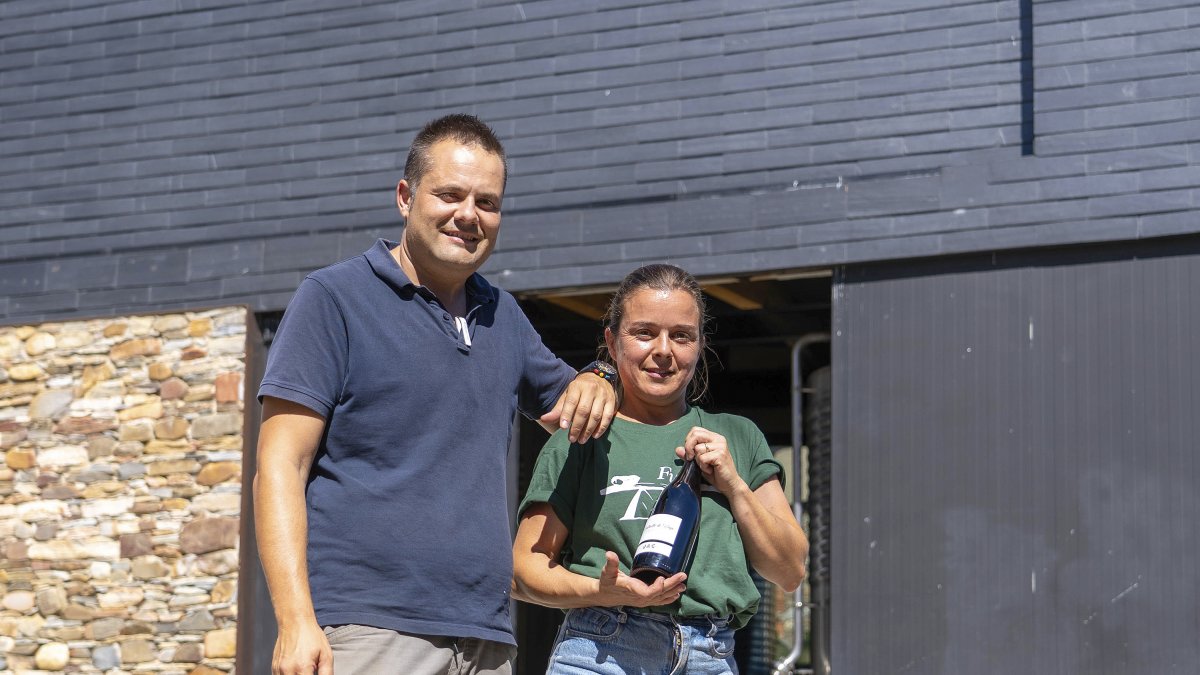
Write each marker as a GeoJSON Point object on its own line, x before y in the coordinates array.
{"type": "Point", "coordinates": [603, 370]}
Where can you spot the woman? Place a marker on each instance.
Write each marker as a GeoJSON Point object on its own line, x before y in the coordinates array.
{"type": "Point", "coordinates": [587, 504]}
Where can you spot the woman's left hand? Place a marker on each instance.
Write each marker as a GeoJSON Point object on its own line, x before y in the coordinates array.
{"type": "Point", "coordinates": [711, 452]}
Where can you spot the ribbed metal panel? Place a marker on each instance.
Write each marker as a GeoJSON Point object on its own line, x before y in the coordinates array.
{"type": "Point", "coordinates": [1015, 472]}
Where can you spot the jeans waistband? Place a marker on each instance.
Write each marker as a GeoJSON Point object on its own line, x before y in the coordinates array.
{"type": "Point", "coordinates": [702, 621]}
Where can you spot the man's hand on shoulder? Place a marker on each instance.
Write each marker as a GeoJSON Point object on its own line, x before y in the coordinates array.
{"type": "Point", "coordinates": [586, 408]}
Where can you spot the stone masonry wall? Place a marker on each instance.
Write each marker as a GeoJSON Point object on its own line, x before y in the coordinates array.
{"type": "Point", "coordinates": [120, 493]}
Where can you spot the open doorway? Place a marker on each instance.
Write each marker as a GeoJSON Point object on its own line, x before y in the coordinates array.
{"type": "Point", "coordinates": [756, 324]}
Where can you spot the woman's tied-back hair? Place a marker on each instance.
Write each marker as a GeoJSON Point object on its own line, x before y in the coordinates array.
{"type": "Point", "coordinates": [464, 129]}
{"type": "Point", "coordinates": [661, 277]}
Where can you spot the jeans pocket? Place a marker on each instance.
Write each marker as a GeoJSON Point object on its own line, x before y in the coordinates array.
{"type": "Point", "coordinates": [592, 623]}
{"type": "Point", "coordinates": [721, 644]}
{"type": "Point", "coordinates": [336, 633]}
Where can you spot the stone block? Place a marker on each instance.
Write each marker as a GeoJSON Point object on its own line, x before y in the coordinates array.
{"type": "Point", "coordinates": [166, 447]}
{"type": "Point", "coordinates": [20, 459]}
{"type": "Point", "coordinates": [10, 346]}
{"type": "Point", "coordinates": [233, 345]}
{"type": "Point", "coordinates": [200, 392]}
{"type": "Point", "coordinates": [149, 567]}
{"type": "Point", "coordinates": [136, 627]}
{"type": "Point", "coordinates": [134, 545]}
{"type": "Point", "coordinates": [200, 620]}
{"type": "Point", "coordinates": [106, 657]}
{"type": "Point", "coordinates": [229, 387]}
{"type": "Point", "coordinates": [136, 347]}
{"type": "Point", "coordinates": [101, 446]}
{"type": "Point", "coordinates": [39, 343]}
{"type": "Point", "coordinates": [152, 408]}
{"type": "Point", "coordinates": [192, 353]}
{"type": "Point", "coordinates": [205, 535]}
{"type": "Point", "coordinates": [136, 430]}
{"type": "Point", "coordinates": [107, 508]}
{"type": "Point", "coordinates": [42, 510]}
{"type": "Point", "coordinates": [103, 395]}
{"type": "Point", "coordinates": [25, 372]}
{"type": "Point", "coordinates": [168, 467]}
{"type": "Point", "coordinates": [96, 473]}
{"type": "Point", "coordinates": [171, 428]}
{"type": "Point", "coordinates": [11, 437]}
{"type": "Point", "coordinates": [69, 634]}
{"type": "Point", "coordinates": [224, 591]}
{"type": "Point", "coordinates": [51, 601]}
{"type": "Point", "coordinates": [219, 424]}
{"type": "Point", "coordinates": [217, 502]}
{"type": "Point", "coordinates": [137, 651]}
{"type": "Point", "coordinates": [218, 563]}
{"type": "Point", "coordinates": [18, 601]}
{"type": "Point", "coordinates": [101, 549]}
{"type": "Point", "coordinates": [60, 492]}
{"type": "Point", "coordinates": [221, 643]}
{"type": "Point", "coordinates": [63, 455]}
{"type": "Point", "coordinates": [94, 374]}
{"type": "Point", "coordinates": [130, 470]}
{"type": "Point", "coordinates": [84, 425]}
{"type": "Point", "coordinates": [102, 629]}
{"type": "Point", "coordinates": [159, 371]}
{"type": "Point", "coordinates": [76, 612]}
{"type": "Point", "coordinates": [200, 327]}
{"type": "Point", "coordinates": [218, 472]}
{"type": "Point", "coordinates": [74, 339]}
{"type": "Point", "coordinates": [52, 656]}
{"type": "Point", "coordinates": [16, 550]}
{"type": "Point", "coordinates": [170, 322]}
{"type": "Point", "coordinates": [172, 389]}
{"type": "Point", "coordinates": [188, 652]}
{"type": "Point", "coordinates": [50, 404]}
{"type": "Point", "coordinates": [121, 598]}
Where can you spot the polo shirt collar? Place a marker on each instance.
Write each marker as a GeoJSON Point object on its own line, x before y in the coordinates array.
{"type": "Point", "coordinates": [379, 257]}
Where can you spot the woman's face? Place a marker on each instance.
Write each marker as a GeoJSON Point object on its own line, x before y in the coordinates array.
{"type": "Point", "coordinates": [657, 346]}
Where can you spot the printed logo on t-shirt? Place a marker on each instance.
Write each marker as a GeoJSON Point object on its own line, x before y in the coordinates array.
{"type": "Point", "coordinates": [642, 494]}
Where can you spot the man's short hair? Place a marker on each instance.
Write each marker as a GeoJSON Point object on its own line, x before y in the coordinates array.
{"type": "Point", "coordinates": [462, 128]}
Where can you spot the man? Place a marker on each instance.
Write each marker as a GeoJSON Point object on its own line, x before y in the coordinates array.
{"type": "Point", "coordinates": [387, 405]}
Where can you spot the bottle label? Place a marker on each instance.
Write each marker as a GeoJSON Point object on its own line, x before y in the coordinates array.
{"type": "Point", "coordinates": [662, 528]}
{"type": "Point", "coordinates": [653, 547]}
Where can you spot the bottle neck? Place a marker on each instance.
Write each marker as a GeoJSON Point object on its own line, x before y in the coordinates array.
{"type": "Point", "coordinates": [690, 474]}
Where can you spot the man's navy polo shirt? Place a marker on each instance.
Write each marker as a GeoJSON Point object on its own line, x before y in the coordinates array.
{"type": "Point", "coordinates": [407, 521]}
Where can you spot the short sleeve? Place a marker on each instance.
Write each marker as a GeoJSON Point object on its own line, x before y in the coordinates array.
{"type": "Point", "coordinates": [544, 377]}
{"type": "Point", "coordinates": [555, 479]}
{"type": "Point", "coordinates": [762, 464]}
{"type": "Point", "coordinates": [308, 357]}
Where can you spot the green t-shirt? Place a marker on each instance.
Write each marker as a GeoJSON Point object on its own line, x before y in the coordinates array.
{"type": "Point", "coordinates": [603, 491]}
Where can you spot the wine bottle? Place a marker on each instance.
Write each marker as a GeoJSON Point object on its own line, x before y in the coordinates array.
{"type": "Point", "coordinates": [670, 533]}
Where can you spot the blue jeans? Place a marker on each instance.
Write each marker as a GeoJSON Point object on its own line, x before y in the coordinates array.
{"type": "Point", "coordinates": [613, 641]}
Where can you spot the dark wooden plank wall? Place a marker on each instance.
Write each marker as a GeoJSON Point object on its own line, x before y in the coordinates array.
{"type": "Point", "coordinates": [1015, 463]}
{"type": "Point", "coordinates": [162, 154]}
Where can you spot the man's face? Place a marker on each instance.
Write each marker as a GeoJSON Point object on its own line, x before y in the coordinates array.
{"type": "Point", "coordinates": [453, 212]}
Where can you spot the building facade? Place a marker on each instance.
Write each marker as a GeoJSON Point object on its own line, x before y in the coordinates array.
{"type": "Point", "coordinates": [916, 178]}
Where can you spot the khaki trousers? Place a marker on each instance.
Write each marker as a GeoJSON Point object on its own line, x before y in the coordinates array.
{"type": "Point", "coordinates": [366, 650]}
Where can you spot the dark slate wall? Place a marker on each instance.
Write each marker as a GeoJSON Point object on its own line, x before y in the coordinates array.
{"type": "Point", "coordinates": [1014, 463]}
{"type": "Point", "coordinates": [175, 153]}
